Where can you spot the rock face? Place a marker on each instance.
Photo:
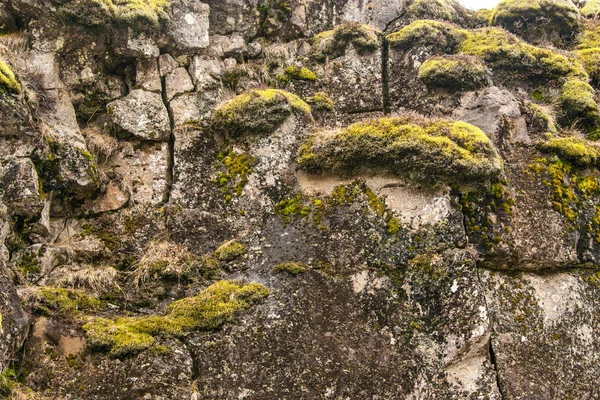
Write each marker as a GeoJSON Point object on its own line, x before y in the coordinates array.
{"type": "Point", "coordinates": [334, 199]}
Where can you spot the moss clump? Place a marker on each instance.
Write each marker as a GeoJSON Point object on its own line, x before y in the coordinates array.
{"type": "Point", "coordinates": [439, 36]}
{"type": "Point", "coordinates": [499, 49]}
{"type": "Point", "coordinates": [293, 268]}
{"type": "Point", "coordinates": [8, 80]}
{"type": "Point", "coordinates": [239, 167]}
{"type": "Point", "coordinates": [332, 44]}
{"type": "Point", "coordinates": [127, 12]}
{"type": "Point", "coordinates": [410, 146]}
{"type": "Point", "coordinates": [257, 112]}
{"type": "Point", "coordinates": [591, 62]}
{"type": "Point", "coordinates": [578, 105]}
{"type": "Point", "coordinates": [539, 19]}
{"type": "Point", "coordinates": [292, 208]}
{"type": "Point", "coordinates": [300, 73]}
{"type": "Point", "coordinates": [449, 10]}
{"type": "Point", "coordinates": [229, 251]}
{"type": "Point", "coordinates": [454, 72]}
{"type": "Point", "coordinates": [579, 151]}
{"type": "Point", "coordinates": [213, 307]}
{"type": "Point", "coordinates": [50, 300]}
{"type": "Point", "coordinates": [541, 119]}
{"type": "Point", "coordinates": [321, 102]}
{"type": "Point", "coordinates": [591, 9]}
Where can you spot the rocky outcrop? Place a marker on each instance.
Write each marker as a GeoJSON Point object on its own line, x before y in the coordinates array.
{"type": "Point", "coordinates": [284, 199]}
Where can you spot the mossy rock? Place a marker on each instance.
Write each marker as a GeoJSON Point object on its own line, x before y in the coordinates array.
{"type": "Point", "coordinates": [454, 72]}
{"type": "Point", "coordinates": [591, 62]}
{"type": "Point", "coordinates": [414, 147]}
{"type": "Point", "coordinates": [8, 80]}
{"type": "Point", "coordinates": [539, 20]}
{"type": "Point", "coordinates": [448, 10]}
{"type": "Point", "coordinates": [578, 105]}
{"type": "Point", "coordinates": [133, 13]}
{"type": "Point", "coordinates": [258, 112]}
{"type": "Point", "coordinates": [576, 150]}
{"type": "Point", "coordinates": [321, 102]}
{"type": "Point", "coordinates": [294, 268]}
{"type": "Point", "coordinates": [591, 9]}
{"type": "Point", "coordinates": [50, 300]}
{"type": "Point", "coordinates": [213, 307]}
{"type": "Point", "coordinates": [500, 50]}
{"type": "Point", "coordinates": [332, 44]}
{"type": "Point", "coordinates": [230, 250]}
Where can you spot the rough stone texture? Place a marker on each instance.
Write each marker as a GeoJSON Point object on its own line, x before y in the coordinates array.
{"type": "Point", "coordinates": [190, 25]}
{"type": "Point", "coordinates": [178, 82]}
{"type": "Point", "coordinates": [20, 188]}
{"type": "Point", "coordinates": [147, 76]}
{"type": "Point", "coordinates": [141, 114]}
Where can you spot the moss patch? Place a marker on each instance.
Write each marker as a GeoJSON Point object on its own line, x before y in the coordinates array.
{"type": "Point", "coordinates": [591, 9]}
{"type": "Point", "coordinates": [322, 102]}
{"type": "Point", "coordinates": [230, 251]}
{"type": "Point", "coordinates": [449, 10]}
{"type": "Point", "coordinates": [578, 104]}
{"type": "Point", "coordinates": [332, 44]}
{"type": "Point", "coordinates": [438, 35]}
{"type": "Point", "coordinates": [410, 146]}
{"type": "Point", "coordinates": [579, 151]}
{"type": "Point", "coordinates": [454, 72]}
{"type": "Point", "coordinates": [539, 19]}
{"type": "Point", "coordinates": [51, 300]}
{"type": "Point", "coordinates": [293, 268]}
{"type": "Point", "coordinates": [8, 80]}
{"type": "Point", "coordinates": [213, 307]}
{"type": "Point", "coordinates": [239, 167]}
{"type": "Point", "coordinates": [257, 112]}
{"type": "Point", "coordinates": [300, 73]}
{"type": "Point", "coordinates": [127, 12]}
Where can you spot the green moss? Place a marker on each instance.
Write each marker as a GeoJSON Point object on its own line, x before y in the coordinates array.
{"type": "Point", "coordinates": [257, 112]}
{"type": "Point", "coordinates": [590, 59]}
{"type": "Point", "coordinates": [271, 14]}
{"type": "Point", "coordinates": [293, 268]}
{"type": "Point", "coordinates": [322, 102]}
{"type": "Point", "coordinates": [449, 10]}
{"type": "Point", "coordinates": [578, 105]}
{"type": "Point", "coordinates": [49, 300]}
{"type": "Point", "coordinates": [540, 119]}
{"type": "Point", "coordinates": [499, 50]}
{"type": "Point", "coordinates": [455, 72]}
{"type": "Point", "coordinates": [239, 168]}
{"type": "Point", "coordinates": [214, 306]}
{"type": "Point", "coordinates": [230, 251]}
{"type": "Point", "coordinates": [129, 12]}
{"type": "Point", "coordinates": [438, 35]}
{"type": "Point", "coordinates": [591, 9]}
{"type": "Point", "coordinates": [409, 146]}
{"type": "Point", "coordinates": [300, 73]}
{"type": "Point", "coordinates": [539, 19]}
{"type": "Point", "coordinates": [578, 151]}
{"type": "Point", "coordinates": [332, 44]}
{"type": "Point", "coordinates": [8, 80]}
{"type": "Point", "coordinates": [292, 208]}
{"type": "Point", "coordinates": [590, 37]}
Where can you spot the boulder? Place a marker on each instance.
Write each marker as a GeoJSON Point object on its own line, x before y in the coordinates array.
{"type": "Point", "coordinates": [141, 114]}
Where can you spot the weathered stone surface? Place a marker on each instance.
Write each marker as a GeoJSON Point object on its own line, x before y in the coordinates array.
{"type": "Point", "coordinates": [21, 192]}
{"type": "Point", "coordinates": [135, 44]}
{"type": "Point", "coordinates": [166, 64]}
{"type": "Point", "coordinates": [141, 114]}
{"type": "Point", "coordinates": [178, 82]}
{"type": "Point", "coordinates": [193, 106]}
{"type": "Point", "coordinates": [147, 76]}
{"type": "Point", "coordinates": [190, 25]}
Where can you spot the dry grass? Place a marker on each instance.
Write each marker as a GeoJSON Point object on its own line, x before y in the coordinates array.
{"type": "Point", "coordinates": [102, 146]}
{"type": "Point", "coordinates": [98, 281]}
{"type": "Point", "coordinates": [163, 259]}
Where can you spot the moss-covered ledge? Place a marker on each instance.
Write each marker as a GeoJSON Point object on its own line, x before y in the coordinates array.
{"type": "Point", "coordinates": [258, 112]}
{"type": "Point", "coordinates": [214, 306]}
{"type": "Point", "coordinates": [332, 44]}
{"type": "Point", "coordinates": [420, 149]}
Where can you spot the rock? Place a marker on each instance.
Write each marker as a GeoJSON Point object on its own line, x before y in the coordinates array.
{"type": "Point", "coordinates": [135, 44]}
{"type": "Point", "coordinates": [166, 64]}
{"type": "Point", "coordinates": [147, 76]}
{"type": "Point", "coordinates": [205, 72]}
{"type": "Point", "coordinates": [189, 25]}
{"type": "Point", "coordinates": [7, 21]}
{"type": "Point", "coordinates": [142, 114]}
{"type": "Point", "coordinates": [178, 82]}
{"type": "Point", "coordinates": [21, 192]}
{"type": "Point", "coordinates": [193, 106]}
{"type": "Point", "coordinates": [144, 169]}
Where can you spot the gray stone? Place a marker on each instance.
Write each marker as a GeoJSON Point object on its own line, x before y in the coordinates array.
{"type": "Point", "coordinates": [178, 82]}
{"type": "Point", "coordinates": [205, 72]}
{"type": "Point", "coordinates": [130, 43]}
{"type": "Point", "coordinates": [147, 76]}
{"type": "Point", "coordinates": [20, 188]}
{"type": "Point", "coordinates": [189, 25]}
{"type": "Point", "coordinates": [166, 64]}
{"type": "Point", "coordinates": [142, 114]}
